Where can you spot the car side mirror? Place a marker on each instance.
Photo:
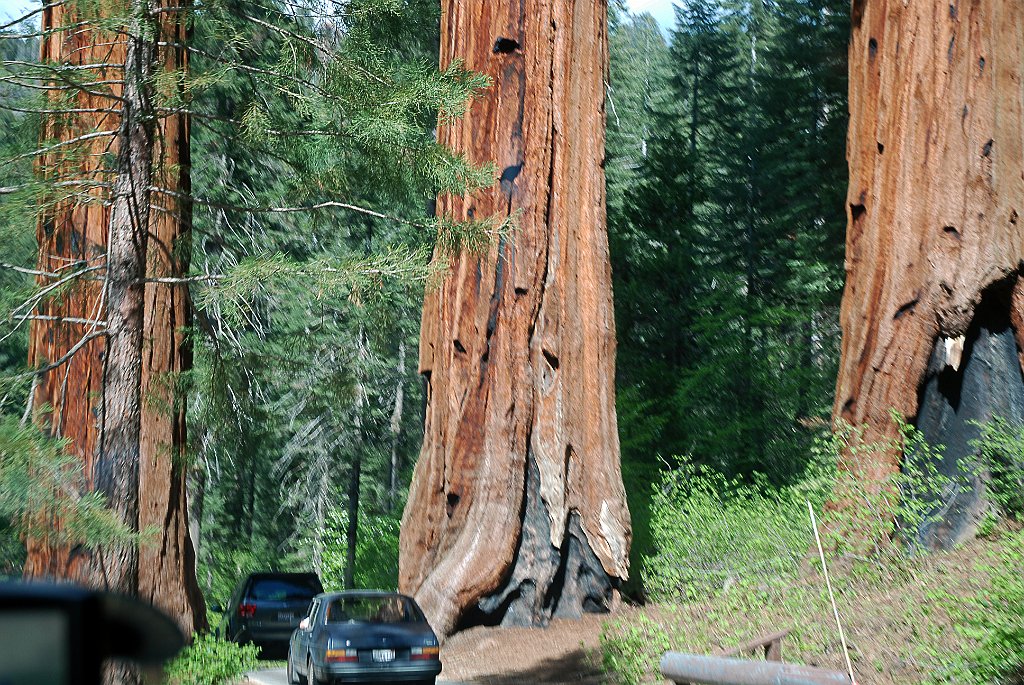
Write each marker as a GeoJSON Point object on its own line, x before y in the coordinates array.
{"type": "Point", "coordinates": [304, 624]}
{"type": "Point", "coordinates": [60, 634]}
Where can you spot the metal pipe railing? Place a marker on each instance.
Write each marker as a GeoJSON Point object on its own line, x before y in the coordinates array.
{"type": "Point", "coordinates": [712, 670]}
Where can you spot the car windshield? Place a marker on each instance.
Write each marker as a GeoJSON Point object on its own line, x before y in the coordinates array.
{"type": "Point", "coordinates": [373, 609]}
{"type": "Point", "coordinates": [283, 589]}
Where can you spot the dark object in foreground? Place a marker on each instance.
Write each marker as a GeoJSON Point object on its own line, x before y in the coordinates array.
{"type": "Point", "coordinates": [61, 634]}
{"type": "Point", "coordinates": [714, 670]}
{"type": "Point", "coordinates": [364, 637]}
{"type": "Point", "coordinates": [266, 607]}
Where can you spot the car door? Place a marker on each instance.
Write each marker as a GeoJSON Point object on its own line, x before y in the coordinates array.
{"type": "Point", "coordinates": [318, 634]}
{"type": "Point", "coordinates": [302, 637]}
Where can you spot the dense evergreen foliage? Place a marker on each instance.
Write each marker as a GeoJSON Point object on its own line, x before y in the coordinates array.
{"type": "Point", "coordinates": [726, 184]}
{"type": "Point", "coordinates": [297, 382]}
{"type": "Point", "coordinates": [314, 167]}
{"type": "Point", "coordinates": [313, 171]}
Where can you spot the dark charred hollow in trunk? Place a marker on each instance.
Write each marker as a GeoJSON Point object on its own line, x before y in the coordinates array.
{"type": "Point", "coordinates": [545, 582]}
{"type": "Point", "coordinates": [985, 384]}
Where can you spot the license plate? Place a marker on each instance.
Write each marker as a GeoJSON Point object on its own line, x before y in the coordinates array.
{"type": "Point", "coordinates": [383, 655]}
{"type": "Point", "coordinates": [285, 616]}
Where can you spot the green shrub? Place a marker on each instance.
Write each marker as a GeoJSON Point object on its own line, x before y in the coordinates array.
{"type": "Point", "coordinates": [376, 551]}
{"type": "Point", "coordinates": [993, 622]}
{"type": "Point", "coordinates": [210, 661]}
{"type": "Point", "coordinates": [1000, 448]}
{"type": "Point", "coordinates": [710, 531]}
{"type": "Point", "coordinates": [898, 507]}
{"type": "Point", "coordinates": [631, 649]}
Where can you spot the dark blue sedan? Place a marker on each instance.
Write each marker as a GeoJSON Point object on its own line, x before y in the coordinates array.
{"type": "Point", "coordinates": [364, 636]}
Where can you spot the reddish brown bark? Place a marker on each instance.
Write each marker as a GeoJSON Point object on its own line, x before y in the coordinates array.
{"type": "Point", "coordinates": [73, 232]}
{"type": "Point", "coordinates": [139, 463]}
{"type": "Point", "coordinates": [936, 155]}
{"type": "Point", "coordinates": [167, 564]}
{"type": "Point", "coordinates": [517, 511]}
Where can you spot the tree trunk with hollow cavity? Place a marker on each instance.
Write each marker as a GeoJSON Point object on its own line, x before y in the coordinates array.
{"type": "Point", "coordinates": [116, 398]}
{"type": "Point", "coordinates": [933, 309]}
{"type": "Point", "coordinates": [516, 511]}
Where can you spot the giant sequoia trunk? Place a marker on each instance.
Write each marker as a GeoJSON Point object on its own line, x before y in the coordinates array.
{"type": "Point", "coordinates": [167, 563]}
{"type": "Point", "coordinates": [935, 239]}
{"type": "Point", "coordinates": [115, 398]}
{"type": "Point", "coordinates": [516, 512]}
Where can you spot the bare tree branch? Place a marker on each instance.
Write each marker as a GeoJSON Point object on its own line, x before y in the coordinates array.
{"type": "Point", "coordinates": [63, 143]}
{"type": "Point", "coordinates": [330, 204]}
{"type": "Point", "coordinates": [37, 297]}
{"type": "Point", "coordinates": [43, 34]}
{"type": "Point", "coordinates": [26, 17]}
{"type": "Point", "coordinates": [10, 190]}
{"type": "Point", "coordinates": [76, 110]}
{"type": "Point", "coordinates": [78, 87]}
{"type": "Point", "coordinates": [85, 340]}
{"type": "Point", "coordinates": [53, 68]}
{"type": "Point", "coordinates": [65, 319]}
{"type": "Point", "coordinates": [30, 272]}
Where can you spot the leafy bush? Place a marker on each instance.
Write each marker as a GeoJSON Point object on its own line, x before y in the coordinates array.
{"type": "Point", "coordinates": [993, 621]}
{"type": "Point", "coordinates": [629, 648]}
{"type": "Point", "coordinates": [710, 531]}
{"type": "Point", "coordinates": [898, 507]}
{"type": "Point", "coordinates": [210, 661]}
{"type": "Point", "coordinates": [376, 551]}
{"type": "Point", "coordinates": [1000, 448]}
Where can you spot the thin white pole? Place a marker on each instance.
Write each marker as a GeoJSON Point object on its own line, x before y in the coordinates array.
{"type": "Point", "coordinates": [831, 596]}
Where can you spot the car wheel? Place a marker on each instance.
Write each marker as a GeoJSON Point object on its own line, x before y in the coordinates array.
{"type": "Point", "coordinates": [293, 678]}
{"type": "Point", "coordinates": [311, 678]}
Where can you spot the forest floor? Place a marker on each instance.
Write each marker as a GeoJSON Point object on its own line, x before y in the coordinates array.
{"type": "Point", "coordinates": [907, 620]}
{"type": "Point", "coordinates": [904, 620]}
{"type": "Point", "coordinates": [564, 652]}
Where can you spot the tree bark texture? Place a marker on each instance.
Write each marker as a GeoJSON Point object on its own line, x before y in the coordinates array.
{"type": "Point", "coordinates": [396, 428]}
{"type": "Point", "coordinates": [516, 511]}
{"type": "Point", "coordinates": [935, 240]}
{"type": "Point", "coordinates": [356, 467]}
{"type": "Point", "coordinates": [167, 562]}
{"type": "Point", "coordinates": [116, 399]}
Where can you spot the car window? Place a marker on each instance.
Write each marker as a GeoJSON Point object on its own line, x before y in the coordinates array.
{"type": "Point", "coordinates": [374, 609]}
{"type": "Point", "coordinates": [283, 589]}
{"type": "Point", "coordinates": [313, 607]}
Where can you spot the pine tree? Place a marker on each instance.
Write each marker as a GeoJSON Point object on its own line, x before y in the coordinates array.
{"type": "Point", "coordinates": [310, 118]}
{"type": "Point", "coordinates": [725, 249]}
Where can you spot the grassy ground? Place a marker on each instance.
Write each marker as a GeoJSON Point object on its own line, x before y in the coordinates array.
{"type": "Point", "coordinates": [907, 620]}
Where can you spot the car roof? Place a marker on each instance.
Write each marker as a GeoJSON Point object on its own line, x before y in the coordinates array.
{"type": "Point", "coordinates": [361, 593]}
{"type": "Point", "coordinates": [275, 574]}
